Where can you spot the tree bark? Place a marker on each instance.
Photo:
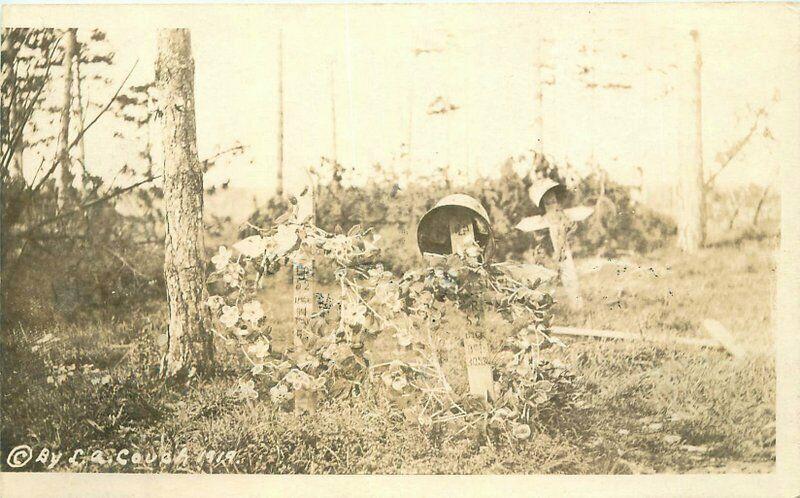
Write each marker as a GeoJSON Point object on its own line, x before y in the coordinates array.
{"type": "Point", "coordinates": [334, 141]}
{"type": "Point", "coordinates": [279, 188]}
{"type": "Point", "coordinates": [538, 120]}
{"type": "Point", "coordinates": [81, 117]}
{"type": "Point", "coordinates": [189, 342]}
{"type": "Point", "coordinates": [65, 177]}
{"type": "Point", "coordinates": [691, 192]}
{"type": "Point", "coordinates": [14, 114]}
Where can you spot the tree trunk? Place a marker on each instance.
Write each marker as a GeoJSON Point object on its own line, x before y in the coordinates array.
{"type": "Point", "coordinates": [14, 108]}
{"type": "Point", "coordinates": [334, 141]}
{"type": "Point", "coordinates": [538, 120]}
{"type": "Point", "coordinates": [691, 194]}
{"type": "Point", "coordinates": [65, 177]}
{"type": "Point", "coordinates": [81, 116]}
{"type": "Point", "coordinates": [410, 132]}
{"type": "Point", "coordinates": [189, 342]}
{"type": "Point", "coordinates": [279, 188]}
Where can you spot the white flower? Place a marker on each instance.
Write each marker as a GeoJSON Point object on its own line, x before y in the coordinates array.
{"type": "Point", "coordinates": [259, 349]}
{"type": "Point", "coordinates": [307, 360]}
{"type": "Point", "coordinates": [231, 279]}
{"type": "Point", "coordinates": [399, 383]}
{"type": "Point", "coordinates": [240, 332]}
{"type": "Point", "coordinates": [388, 296]}
{"type": "Point", "coordinates": [252, 312]}
{"type": "Point", "coordinates": [521, 431]}
{"type": "Point", "coordinates": [353, 313]}
{"type": "Point", "coordinates": [222, 258]}
{"type": "Point", "coordinates": [232, 275]}
{"type": "Point", "coordinates": [252, 247]}
{"type": "Point", "coordinates": [280, 393]}
{"type": "Point", "coordinates": [403, 337]}
{"type": "Point", "coordinates": [247, 390]}
{"type": "Point", "coordinates": [215, 302]}
{"type": "Point", "coordinates": [503, 412]}
{"type": "Point", "coordinates": [230, 316]}
{"type": "Point", "coordinates": [298, 379]}
{"type": "Point", "coordinates": [473, 251]}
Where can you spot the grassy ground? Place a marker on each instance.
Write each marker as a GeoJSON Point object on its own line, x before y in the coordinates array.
{"type": "Point", "coordinates": [644, 409]}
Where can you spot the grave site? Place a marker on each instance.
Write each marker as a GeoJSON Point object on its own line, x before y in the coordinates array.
{"type": "Point", "coordinates": [536, 318]}
{"type": "Point", "coordinates": [462, 364]}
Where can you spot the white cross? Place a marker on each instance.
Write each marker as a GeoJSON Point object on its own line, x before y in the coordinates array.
{"type": "Point", "coordinates": [303, 271]}
{"type": "Point", "coordinates": [557, 221]}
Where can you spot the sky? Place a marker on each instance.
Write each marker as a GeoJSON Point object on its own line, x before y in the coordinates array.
{"type": "Point", "coordinates": [383, 66]}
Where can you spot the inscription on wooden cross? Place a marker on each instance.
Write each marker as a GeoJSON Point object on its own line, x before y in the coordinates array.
{"type": "Point", "coordinates": [303, 273]}
{"type": "Point", "coordinates": [476, 350]}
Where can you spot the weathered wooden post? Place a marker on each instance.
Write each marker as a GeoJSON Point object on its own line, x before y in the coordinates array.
{"type": "Point", "coordinates": [303, 271]}
{"type": "Point", "coordinates": [557, 220]}
{"type": "Point", "coordinates": [456, 223]}
{"type": "Point", "coordinates": [305, 400]}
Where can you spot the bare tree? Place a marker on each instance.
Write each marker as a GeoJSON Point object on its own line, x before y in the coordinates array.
{"type": "Point", "coordinates": [279, 188]}
{"type": "Point", "coordinates": [81, 116]}
{"type": "Point", "coordinates": [14, 110]}
{"type": "Point", "coordinates": [540, 64]}
{"type": "Point", "coordinates": [691, 184]}
{"type": "Point", "coordinates": [65, 177]}
{"type": "Point", "coordinates": [189, 342]}
{"type": "Point", "coordinates": [334, 151]}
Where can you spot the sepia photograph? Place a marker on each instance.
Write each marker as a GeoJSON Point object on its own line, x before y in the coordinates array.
{"type": "Point", "coordinates": [403, 239]}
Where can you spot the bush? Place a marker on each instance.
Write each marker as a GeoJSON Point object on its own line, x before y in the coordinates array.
{"type": "Point", "coordinates": [619, 224]}
{"type": "Point", "coordinates": [95, 261]}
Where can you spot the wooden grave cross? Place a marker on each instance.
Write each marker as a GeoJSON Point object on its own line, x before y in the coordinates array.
{"type": "Point", "coordinates": [476, 349]}
{"type": "Point", "coordinates": [303, 297]}
{"type": "Point", "coordinates": [303, 271]}
{"type": "Point", "coordinates": [557, 220]}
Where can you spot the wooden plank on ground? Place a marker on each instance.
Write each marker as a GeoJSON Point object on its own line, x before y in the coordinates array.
{"type": "Point", "coordinates": [724, 337]}
{"type": "Point", "coordinates": [712, 343]}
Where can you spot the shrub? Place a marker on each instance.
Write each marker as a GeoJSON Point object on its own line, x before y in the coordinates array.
{"type": "Point", "coordinates": [619, 224]}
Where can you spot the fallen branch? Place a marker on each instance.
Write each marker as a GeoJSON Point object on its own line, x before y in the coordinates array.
{"type": "Point", "coordinates": [721, 335]}
{"type": "Point", "coordinates": [721, 338]}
